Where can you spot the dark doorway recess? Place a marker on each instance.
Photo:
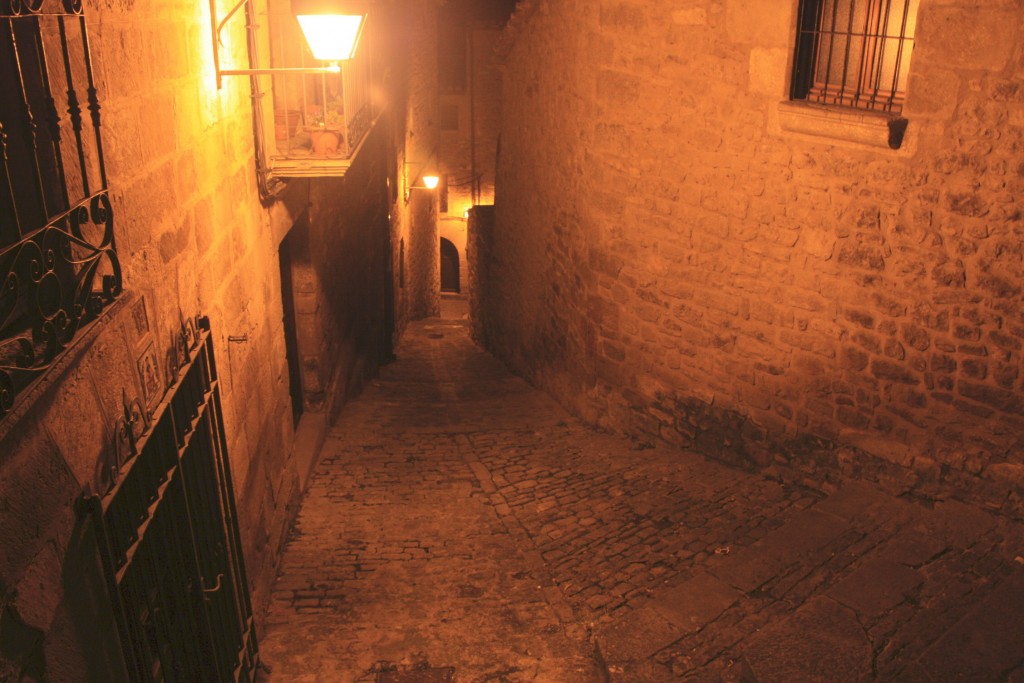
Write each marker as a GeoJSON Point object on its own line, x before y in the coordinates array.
{"type": "Point", "coordinates": [291, 339]}
{"type": "Point", "coordinates": [449, 267]}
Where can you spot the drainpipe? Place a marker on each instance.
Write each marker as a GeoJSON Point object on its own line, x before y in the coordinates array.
{"type": "Point", "coordinates": [269, 187]}
{"type": "Point", "coordinates": [475, 192]}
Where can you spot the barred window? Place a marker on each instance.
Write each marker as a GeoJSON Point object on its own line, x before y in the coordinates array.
{"type": "Point", "coordinates": [854, 53]}
{"type": "Point", "coordinates": [58, 262]}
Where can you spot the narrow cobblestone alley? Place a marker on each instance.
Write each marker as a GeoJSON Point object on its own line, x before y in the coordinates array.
{"type": "Point", "coordinates": [459, 518]}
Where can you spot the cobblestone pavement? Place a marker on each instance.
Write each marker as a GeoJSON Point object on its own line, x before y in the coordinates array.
{"type": "Point", "coordinates": [460, 518]}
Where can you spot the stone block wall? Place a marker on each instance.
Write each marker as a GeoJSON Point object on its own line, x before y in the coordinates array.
{"type": "Point", "coordinates": [472, 147]}
{"type": "Point", "coordinates": [470, 150]}
{"type": "Point", "coordinates": [674, 259]}
{"type": "Point", "coordinates": [193, 237]}
{"type": "Point", "coordinates": [416, 212]}
{"type": "Point", "coordinates": [486, 84]}
{"type": "Point", "coordinates": [479, 240]}
{"type": "Point", "coordinates": [349, 250]}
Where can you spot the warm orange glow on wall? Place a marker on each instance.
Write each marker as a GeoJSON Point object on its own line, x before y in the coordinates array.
{"type": "Point", "coordinates": [332, 37]}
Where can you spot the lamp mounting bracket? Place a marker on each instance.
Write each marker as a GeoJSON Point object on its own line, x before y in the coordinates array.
{"type": "Point", "coordinates": [218, 29]}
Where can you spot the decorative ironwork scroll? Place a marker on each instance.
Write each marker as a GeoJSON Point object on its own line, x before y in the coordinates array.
{"type": "Point", "coordinates": [58, 263]}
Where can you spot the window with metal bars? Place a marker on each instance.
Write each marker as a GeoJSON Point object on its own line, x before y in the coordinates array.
{"type": "Point", "coordinates": [58, 262]}
{"type": "Point", "coordinates": [854, 53]}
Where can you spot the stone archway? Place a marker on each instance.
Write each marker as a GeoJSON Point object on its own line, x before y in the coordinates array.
{"type": "Point", "coordinates": [449, 267]}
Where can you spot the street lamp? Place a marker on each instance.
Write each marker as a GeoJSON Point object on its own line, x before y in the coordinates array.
{"type": "Point", "coordinates": [420, 172]}
{"type": "Point", "coordinates": [331, 28]}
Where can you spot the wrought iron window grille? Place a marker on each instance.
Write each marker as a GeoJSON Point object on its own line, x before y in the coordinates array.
{"type": "Point", "coordinates": [854, 53]}
{"type": "Point", "coordinates": [58, 263]}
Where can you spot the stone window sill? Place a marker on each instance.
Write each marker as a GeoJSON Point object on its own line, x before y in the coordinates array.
{"type": "Point", "coordinates": [874, 129]}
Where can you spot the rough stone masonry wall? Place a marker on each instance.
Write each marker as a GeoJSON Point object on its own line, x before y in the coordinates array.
{"type": "Point", "coordinates": [469, 151]}
{"type": "Point", "coordinates": [193, 238]}
{"type": "Point", "coordinates": [349, 249]}
{"type": "Point", "coordinates": [487, 106]}
{"type": "Point", "coordinates": [670, 263]}
{"type": "Point", "coordinates": [471, 148]}
{"type": "Point", "coordinates": [418, 207]}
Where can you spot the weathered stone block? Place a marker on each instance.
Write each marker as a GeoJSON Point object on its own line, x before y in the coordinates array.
{"type": "Point", "coordinates": [749, 21]}
{"type": "Point", "coordinates": [1000, 399]}
{"type": "Point", "coordinates": [36, 494]}
{"type": "Point", "coordinates": [690, 16]}
{"type": "Point", "coordinates": [862, 256]}
{"type": "Point", "coordinates": [965, 38]}
{"type": "Point", "coordinates": [895, 372]}
{"type": "Point", "coordinates": [985, 643]}
{"type": "Point", "coordinates": [862, 318]}
{"type": "Point", "coordinates": [767, 71]}
{"type": "Point", "coordinates": [876, 587]}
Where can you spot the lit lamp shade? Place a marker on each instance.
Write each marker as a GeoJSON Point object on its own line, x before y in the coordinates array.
{"type": "Point", "coordinates": [430, 181]}
{"type": "Point", "coordinates": [331, 28]}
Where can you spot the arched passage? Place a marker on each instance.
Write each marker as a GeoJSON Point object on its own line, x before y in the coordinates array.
{"type": "Point", "coordinates": [449, 267]}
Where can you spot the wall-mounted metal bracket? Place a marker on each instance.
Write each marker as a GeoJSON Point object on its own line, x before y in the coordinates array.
{"type": "Point", "coordinates": [218, 28]}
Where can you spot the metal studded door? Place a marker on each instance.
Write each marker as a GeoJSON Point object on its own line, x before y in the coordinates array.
{"type": "Point", "coordinates": [168, 536]}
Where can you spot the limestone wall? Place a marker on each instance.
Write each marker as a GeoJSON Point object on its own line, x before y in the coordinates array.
{"type": "Point", "coordinates": [470, 149]}
{"type": "Point", "coordinates": [348, 253]}
{"type": "Point", "coordinates": [479, 276]}
{"type": "Point", "coordinates": [672, 260]}
{"type": "Point", "coordinates": [418, 207]}
{"type": "Point", "coordinates": [467, 148]}
{"type": "Point", "coordinates": [193, 237]}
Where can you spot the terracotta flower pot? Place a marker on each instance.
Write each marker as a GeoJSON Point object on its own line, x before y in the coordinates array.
{"type": "Point", "coordinates": [325, 142]}
{"type": "Point", "coordinates": [286, 123]}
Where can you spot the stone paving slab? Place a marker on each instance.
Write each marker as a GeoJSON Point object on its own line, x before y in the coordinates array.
{"type": "Point", "coordinates": [636, 635]}
{"type": "Point", "coordinates": [876, 587]}
{"type": "Point", "coordinates": [821, 642]}
{"type": "Point", "coordinates": [804, 533]}
{"type": "Point", "coordinates": [458, 517]}
{"type": "Point", "coordinates": [987, 644]}
{"type": "Point", "coordinates": [695, 602]}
